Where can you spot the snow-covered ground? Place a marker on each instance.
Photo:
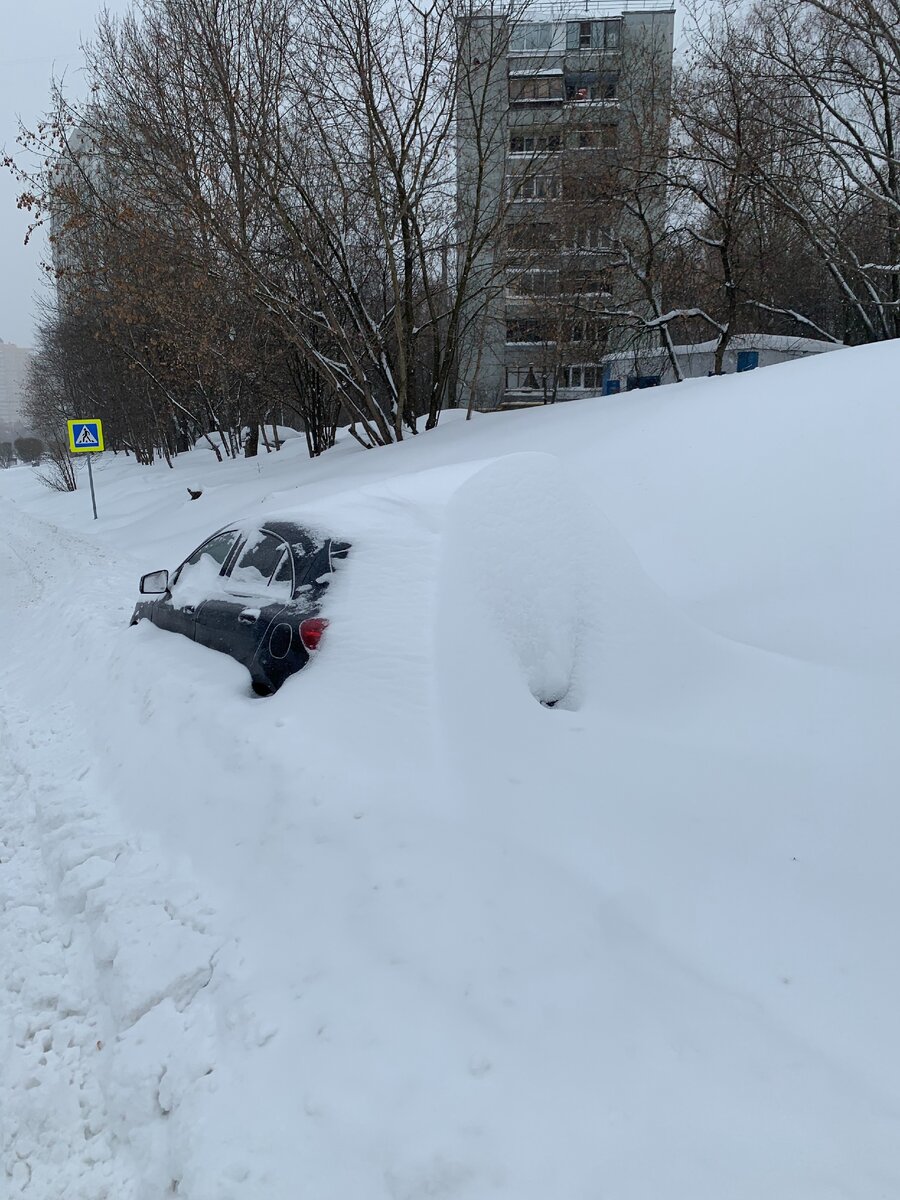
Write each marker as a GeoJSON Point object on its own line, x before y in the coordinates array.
{"type": "Point", "coordinates": [403, 932]}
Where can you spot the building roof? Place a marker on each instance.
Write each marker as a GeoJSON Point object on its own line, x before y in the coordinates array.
{"type": "Point", "coordinates": [780, 343]}
{"type": "Point", "coordinates": [545, 10]}
{"type": "Point", "coordinates": [764, 341]}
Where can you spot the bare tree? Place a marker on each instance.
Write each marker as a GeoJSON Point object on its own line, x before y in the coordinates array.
{"type": "Point", "coordinates": [809, 125]}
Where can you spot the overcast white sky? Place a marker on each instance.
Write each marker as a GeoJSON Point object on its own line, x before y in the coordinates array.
{"type": "Point", "coordinates": [37, 39]}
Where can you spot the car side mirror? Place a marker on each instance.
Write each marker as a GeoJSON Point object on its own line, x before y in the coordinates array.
{"type": "Point", "coordinates": [155, 584]}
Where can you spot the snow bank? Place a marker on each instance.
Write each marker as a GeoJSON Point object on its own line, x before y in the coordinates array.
{"type": "Point", "coordinates": [285, 434]}
{"type": "Point", "coordinates": [402, 930]}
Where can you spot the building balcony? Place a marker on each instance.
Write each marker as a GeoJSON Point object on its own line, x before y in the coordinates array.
{"type": "Point", "coordinates": [610, 103]}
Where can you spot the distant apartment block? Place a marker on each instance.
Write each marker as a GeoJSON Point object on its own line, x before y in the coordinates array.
{"type": "Point", "coordinates": [14, 362]}
{"type": "Point", "coordinates": [80, 167]}
{"type": "Point", "coordinates": [566, 98]}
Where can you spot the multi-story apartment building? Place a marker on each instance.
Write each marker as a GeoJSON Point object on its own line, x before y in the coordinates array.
{"type": "Point", "coordinates": [571, 109]}
{"type": "Point", "coordinates": [79, 169]}
{"type": "Point", "coordinates": [14, 362]}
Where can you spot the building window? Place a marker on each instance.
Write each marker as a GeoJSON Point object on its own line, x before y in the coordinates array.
{"type": "Point", "coordinates": [534, 143]}
{"type": "Point", "coordinates": [535, 282]}
{"type": "Point", "coordinates": [527, 330]}
{"type": "Point", "coordinates": [592, 86]}
{"type": "Point", "coordinates": [604, 137]}
{"type": "Point", "coordinates": [525, 89]}
{"type": "Point", "coordinates": [585, 283]}
{"type": "Point", "coordinates": [747, 360]}
{"type": "Point", "coordinates": [592, 237]}
{"type": "Point", "coordinates": [531, 235]}
{"type": "Point", "coordinates": [593, 35]}
{"type": "Point", "coordinates": [527, 37]}
{"type": "Point", "coordinates": [588, 375]}
{"type": "Point", "coordinates": [535, 187]}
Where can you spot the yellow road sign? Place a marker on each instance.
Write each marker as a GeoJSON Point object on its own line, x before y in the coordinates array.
{"type": "Point", "coordinates": [85, 437]}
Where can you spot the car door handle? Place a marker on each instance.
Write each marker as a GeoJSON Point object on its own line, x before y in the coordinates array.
{"type": "Point", "coordinates": [248, 617]}
{"type": "Point", "coordinates": [189, 609]}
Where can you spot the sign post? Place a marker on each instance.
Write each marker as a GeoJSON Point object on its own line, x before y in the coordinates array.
{"type": "Point", "coordinates": [86, 437]}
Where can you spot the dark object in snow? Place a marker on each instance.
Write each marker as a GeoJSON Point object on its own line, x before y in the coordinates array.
{"type": "Point", "coordinates": [255, 593]}
{"type": "Point", "coordinates": [195, 495]}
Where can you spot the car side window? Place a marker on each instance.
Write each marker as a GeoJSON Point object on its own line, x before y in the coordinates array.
{"type": "Point", "coordinates": [307, 548]}
{"type": "Point", "coordinates": [257, 562]}
{"type": "Point", "coordinates": [209, 557]}
{"type": "Point", "coordinates": [199, 576]}
{"type": "Point", "coordinates": [281, 585]}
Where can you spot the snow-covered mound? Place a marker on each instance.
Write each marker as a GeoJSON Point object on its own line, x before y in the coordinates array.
{"type": "Point", "coordinates": [511, 592]}
{"type": "Point", "coordinates": [565, 869]}
{"type": "Point", "coordinates": [213, 440]}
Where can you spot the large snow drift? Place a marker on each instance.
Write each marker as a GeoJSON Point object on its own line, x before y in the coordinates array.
{"type": "Point", "coordinates": [568, 866]}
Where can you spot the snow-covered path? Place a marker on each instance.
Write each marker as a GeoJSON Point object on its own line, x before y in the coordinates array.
{"type": "Point", "coordinates": [55, 1025]}
{"type": "Point", "coordinates": [107, 1025]}
{"type": "Point", "coordinates": [57, 1138]}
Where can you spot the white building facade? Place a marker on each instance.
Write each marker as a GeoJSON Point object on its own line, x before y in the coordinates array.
{"type": "Point", "coordinates": [14, 362]}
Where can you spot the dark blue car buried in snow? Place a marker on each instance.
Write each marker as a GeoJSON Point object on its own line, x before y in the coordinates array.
{"type": "Point", "coordinates": [254, 592]}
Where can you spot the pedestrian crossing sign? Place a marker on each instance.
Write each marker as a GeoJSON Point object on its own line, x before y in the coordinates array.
{"type": "Point", "coordinates": [85, 436]}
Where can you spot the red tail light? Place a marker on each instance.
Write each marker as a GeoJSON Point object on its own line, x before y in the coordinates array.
{"type": "Point", "coordinates": [311, 631]}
